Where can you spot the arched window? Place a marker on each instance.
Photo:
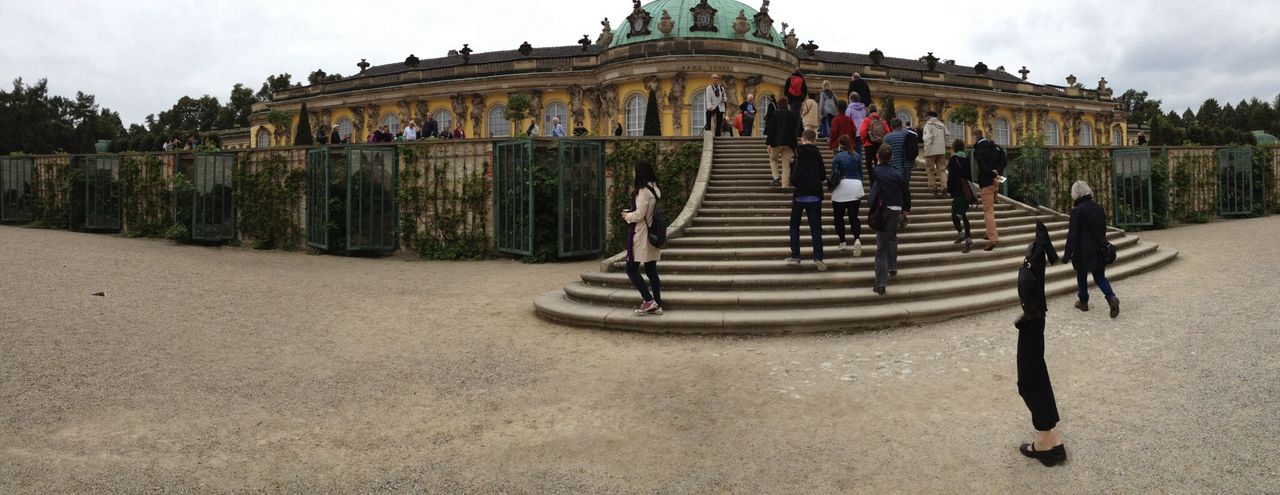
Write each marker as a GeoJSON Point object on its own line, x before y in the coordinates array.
{"type": "Point", "coordinates": [345, 128]}
{"type": "Point", "coordinates": [392, 121]}
{"type": "Point", "coordinates": [956, 130]}
{"type": "Point", "coordinates": [762, 109]}
{"type": "Point", "coordinates": [1117, 137]}
{"type": "Point", "coordinates": [555, 110]}
{"type": "Point", "coordinates": [1002, 131]}
{"type": "Point", "coordinates": [905, 116]}
{"type": "Point", "coordinates": [1086, 134]}
{"type": "Point", "coordinates": [697, 112]}
{"type": "Point", "coordinates": [444, 120]}
{"type": "Point", "coordinates": [1051, 135]}
{"type": "Point", "coordinates": [264, 138]}
{"type": "Point", "coordinates": [498, 125]}
{"type": "Point", "coordinates": [635, 115]}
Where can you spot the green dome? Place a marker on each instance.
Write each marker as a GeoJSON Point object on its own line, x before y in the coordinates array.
{"type": "Point", "coordinates": [682, 18]}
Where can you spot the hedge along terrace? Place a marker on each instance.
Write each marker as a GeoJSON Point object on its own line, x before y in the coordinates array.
{"type": "Point", "coordinates": [444, 193]}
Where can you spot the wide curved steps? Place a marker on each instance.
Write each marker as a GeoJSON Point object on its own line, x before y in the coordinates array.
{"type": "Point", "coordinates": [726, 274]}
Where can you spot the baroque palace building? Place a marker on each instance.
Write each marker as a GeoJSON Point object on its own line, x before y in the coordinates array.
{"type": "Point", "coordinates": [672, 47]}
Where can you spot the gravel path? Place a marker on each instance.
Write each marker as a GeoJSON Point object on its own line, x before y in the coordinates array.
{"type": "Point", "coordinates": [228, 370]}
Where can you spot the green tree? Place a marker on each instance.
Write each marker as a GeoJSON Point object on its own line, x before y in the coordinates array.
{"type": "Point", "coordinates": [1138, 106]}
{"type": "Point", "coordinates": [1210, 113]}
{"type": "Point", "coordinates": [303, 136]}
{"type": "Point", "coordinates": [240, 104]}
{"type": "Point", "coordinates": [274, 83]}
{"type": "Point", "coordinates": [518, 108]}
{"type": "Point", "coordinates": [652, 118]}
{"type": "Point", "coordinates": [281, 122]}
{"type": "Point", "coordinates": [888, 111]}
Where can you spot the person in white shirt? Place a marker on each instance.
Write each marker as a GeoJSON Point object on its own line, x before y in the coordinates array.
{"type": "Point", "coordinates": [557, 130]}
{"type": "Point", "coordinates": [716, 98]}
{"type": "Point", "coordinates": [411, 132]}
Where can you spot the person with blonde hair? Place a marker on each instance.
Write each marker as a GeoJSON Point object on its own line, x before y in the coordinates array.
{"type": "Point", "coordinates": [827, 109]}
{"type": "Point", "coordinates": [1086, 243]}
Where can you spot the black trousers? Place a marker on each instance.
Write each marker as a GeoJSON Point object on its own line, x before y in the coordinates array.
{"type": "Point", "coordinates": [855, 222]}
{"type": "Point", "coordinates": [748, 125]}
{"type": "Point", "coordinates": [650, 269]}
{"type": "Point", "coordinates": [715, 120]}
{"type": "Point", "coordinates": [871, 156]}
{"type": "Point", "coordinates": [1033, 375]}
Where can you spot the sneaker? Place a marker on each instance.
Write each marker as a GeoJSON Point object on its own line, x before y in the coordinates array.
{"type": "Point", "coordinates": [793, 261]}
{"type": "Point", "coordinates": [648, 308]}
{"type": "Point", "coordinates": [843, 247]}
{"type": "Point", "coordinates": [857, 247]}
{"type": "Point", "coordinates": [893, 273]}
{"type": "Point", "coordinates": [959, 240]}
{"type": "Point", "coordinates": [776, 183]}
{"type": "Point", "coordinates": [1082, 305]}
{"type": "Point", "coordinates": [1115, 306]}
{"type": "Point", "coordinates": [879, 290]}
{"type": "Point", "coordinates": [968, 244]}
{"type": "Point", "coordinates": [822, 267]}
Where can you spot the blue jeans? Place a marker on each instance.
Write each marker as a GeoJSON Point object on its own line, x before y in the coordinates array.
{"type": "Point", "coordinates": [1099, 277]}
{"type": "Point", "coordinates": [887, 248]}
{"type": "Point", "coordinates": [825, 127]}
{"type": "Point", "coordinates": [814, 211]}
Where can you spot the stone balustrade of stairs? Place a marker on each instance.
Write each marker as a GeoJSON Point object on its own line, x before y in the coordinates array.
{"type": "Point", "coordinates": [726, 274]}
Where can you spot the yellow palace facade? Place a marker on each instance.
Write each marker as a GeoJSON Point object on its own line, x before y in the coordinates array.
{"type": "Point", "coordinates": [672, 47]}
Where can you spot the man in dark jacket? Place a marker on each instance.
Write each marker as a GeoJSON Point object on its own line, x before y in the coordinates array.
{"type": "Point", "coordinates": [888, 198]}
{"type": "Point", "coordinates": [748, 109]}
{"type": "Point", "coordinates": [430, 128]}
{"type": "Point", "coordinates": [780, 126]}
{"type": "Point", "coordinates": [859, 86]}
{"type": "Point", "coordinates": [1086, 237]}
{"type": "Point", "coordinates": [809, 174]}
{"type": "Point", "coordinates": [991, 160]}
{"type": "Point", "coordinates": [795, 89]}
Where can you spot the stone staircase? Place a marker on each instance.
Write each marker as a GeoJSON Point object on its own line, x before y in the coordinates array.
{"type": "Point", "coordinates": [726, 274]}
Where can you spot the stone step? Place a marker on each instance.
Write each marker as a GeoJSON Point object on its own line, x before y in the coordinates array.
{"type": "Point", "coordinates": [918, 206]}
{"type": "Point", "coordinates": [924, 199]}
{"type": "Point", "coordinates": [954, 261]}
{"type": "Point", "coordinates": [557, 306]}
{"type": "Point", "coordinates": [939, 221]}
{"type": "Point", "coordinates": [830, 239]}
{"type": "Point", "coordinates": [784, 212]}
{"type": "Point", "coordinates": [706, 228]}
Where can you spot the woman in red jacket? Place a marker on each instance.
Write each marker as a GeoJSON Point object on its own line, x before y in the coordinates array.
{"type": "Point", "coordinates": [841, 125]}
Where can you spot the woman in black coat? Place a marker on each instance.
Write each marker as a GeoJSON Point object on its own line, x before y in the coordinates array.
{"type": "Point", "coordinates": [1033, 374]}
{"type": "Point", "coordinates": [1085, 240]}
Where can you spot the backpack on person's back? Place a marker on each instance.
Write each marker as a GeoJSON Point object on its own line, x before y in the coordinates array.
{"type": "Point", "coordinates": [796, 87]}
{"type": "Point", "coordinates": [875, 130]}
{"type": "Point", "coordinates": [658, 225]}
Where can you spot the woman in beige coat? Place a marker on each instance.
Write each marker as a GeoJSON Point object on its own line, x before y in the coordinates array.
{"type": "Point", "coordinates": [644, 200]}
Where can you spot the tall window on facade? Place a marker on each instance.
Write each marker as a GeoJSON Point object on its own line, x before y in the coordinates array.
{"type": "Point", "coordinates": [1086, 134]}
{"type": "Point", "coordinates": [444, 120]}
{"type": "Point", "coordinates": [345, 128]}
{"type": "Point", "coordinates": [697, 112]}
{"type": "Point", "coordinates": [553, 111]}
{"type": "Point", "coordinates": [392, 121]}
{"type": "Point", "coordinates": [1002, 132]}
{"type": "Point", "coordinates": [498, 125]}
{"type": "Point", "coordinates": [635, 115]}
{"type": "Point", "coordinates": [1051, 135]}
{"type": "Point", "coordinates": [956, 130]}
{"type": "Point", "coordinates": [762, 109]}
{"type": "Point", "coordinates": [1117, 137]}
{"type": "Point", "coordinates": [264, 138]}
{"type": "Point", "coordinates": [905, 116]}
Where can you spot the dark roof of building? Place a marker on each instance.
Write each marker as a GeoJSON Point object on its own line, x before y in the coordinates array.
{"type": "Point", "coordinates": [904, 63]}
{"type": "Point", "coordinates": [484, 58]}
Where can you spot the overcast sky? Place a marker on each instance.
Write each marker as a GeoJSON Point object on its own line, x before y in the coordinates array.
{"type": "Point", "coordinates": [138, 57]}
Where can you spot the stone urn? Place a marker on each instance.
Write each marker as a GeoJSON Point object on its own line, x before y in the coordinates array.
{"type": "Point", "coordinates": [877, 56]}
{"type": "Point", "coordinates": [665, 25]}
{"type": "Point", "coordinates": [741, 26]}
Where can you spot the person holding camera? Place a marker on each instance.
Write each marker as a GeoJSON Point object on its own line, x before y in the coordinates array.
{"type": "Point", "coordinates": [644, 200]}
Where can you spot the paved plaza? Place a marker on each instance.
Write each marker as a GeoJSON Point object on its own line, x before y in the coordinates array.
{"type": "Point", "coordinates": [230, 370]}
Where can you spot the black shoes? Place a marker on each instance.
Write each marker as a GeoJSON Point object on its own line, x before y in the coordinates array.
{"type": "Point", "coordinates": [1115, 306]}
{"type": "Point", "coordinates": [1082, 306]}
{"type": "Point", "coordinates": [879, 290]}
{"type": "Point", "coordinates": [1049, 457]}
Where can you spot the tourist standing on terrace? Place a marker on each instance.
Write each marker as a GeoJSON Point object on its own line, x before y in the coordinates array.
{"type": "Point", "coordinates": [935, 151]}
{"type": "Point", "coordinates": [1086, 240]}
{"type": "Point", "coordinates": [847, 195]}
{"type": "Point", "coordinates": [780, 129]}
{"type": "Point", "coordinates": [827, 106]}
{"type": "Point", "coordinates": [644, 199]}
{"type": "Point", "coordinates": [859, 85]}
{"type": "Point", "coordinates": [321, 136]}
{"type": "Point", "coordinates": [887, 201]}
{"type": "Point", "coordinates": [430, 129]}
{"type": "Point", "coordinates": [958, 179]}
{"type": "Point", "coordinates": [411, 132]}
{"type": "Point", "coordinates": [748, 115]}
{"type": "Point", "coordinates": [990, 158]}
{"type": "Point", "coordinates": [580, 130]}
{"type": "Point", "coordinates": [335, 137]}
{"type": "Point", "coordinates": [1033, 375]}
{"type": "Point", "coordinates": [716, 98]}
{"type": "Point", "coordinates": [557, 129]}
{"type": "Point", "coordinates": [808, 176]}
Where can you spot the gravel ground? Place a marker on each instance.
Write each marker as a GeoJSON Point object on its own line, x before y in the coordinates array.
{"type": "Point", "coordinates": [232, 371]}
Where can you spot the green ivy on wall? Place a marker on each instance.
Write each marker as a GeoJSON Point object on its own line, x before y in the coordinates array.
{"type": "Point", "coordinates": [444, 205]}
{"type": "Point", "coordinates": [268, 198]}
{"type": "Point", "coordinates": [147, 199]}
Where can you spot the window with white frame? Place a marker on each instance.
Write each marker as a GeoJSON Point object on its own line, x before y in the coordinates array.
{"type": "Point", "coordinates": [392, 121]}
{"type": "Point", "coordinates": [635, 115]}
{"type": "Point", "coordinates": [762, 105]}
{"type": "Point", "coordinates": [1051, 135]}
{"type": "Point", "coordinates": [264, 138]}
{"type": "Point", "coordinates": [1117, 137]}
{"type": "Point", "coordinates": [905, 116]}
{"type": "Point", "coordinates": [498, 125]}
{"type": "Point", "coordinates": [444, 120]}
{"type": "Point", "coordinates": [1002, 132]}
{"type": "Point", "coordinates": [956, 130]}
{"type": "Point", "coordinates": [697, 112]}
{"type": "Point", "coordinates": [345, 128]}
{"type": "Point", "coordinates": [555, 110]}
{"type": "Point", "coordinates": [1086, 134]}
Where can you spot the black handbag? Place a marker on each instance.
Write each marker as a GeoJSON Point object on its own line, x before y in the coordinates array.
{"type": "Point", "coordinates": [1108, 253]}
